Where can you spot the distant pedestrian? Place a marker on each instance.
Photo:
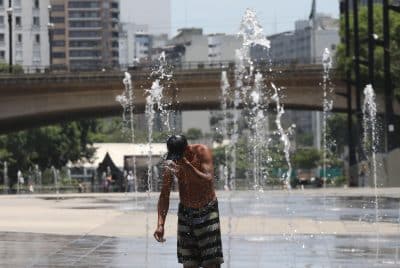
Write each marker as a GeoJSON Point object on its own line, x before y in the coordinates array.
{"type": "Point", "coordinates": [129, 179]}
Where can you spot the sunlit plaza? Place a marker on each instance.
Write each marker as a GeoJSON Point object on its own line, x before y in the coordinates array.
{"type": "Point", "coordinates": [260, 134]}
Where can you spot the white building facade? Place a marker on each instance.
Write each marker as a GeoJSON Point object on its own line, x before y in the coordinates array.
{"type": "Point", "coordinates": [127, 43]}
{"type": "Point", "coordinates": [30, 39]}
{"type": "Point", "coordinates": [306, 43]}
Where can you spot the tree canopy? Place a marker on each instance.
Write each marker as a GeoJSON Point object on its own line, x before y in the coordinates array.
{"type": "Point", "coordinates": [47, 146]}
{"type": "Point", "coordinates": [346, 63]}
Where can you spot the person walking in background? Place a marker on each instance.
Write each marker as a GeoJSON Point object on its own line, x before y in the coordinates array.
{"type": "Point", "coordinates": [129, 179]}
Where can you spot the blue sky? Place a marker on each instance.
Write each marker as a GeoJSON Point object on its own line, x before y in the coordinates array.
{"type": "Point", "coordinates": [225, 15]}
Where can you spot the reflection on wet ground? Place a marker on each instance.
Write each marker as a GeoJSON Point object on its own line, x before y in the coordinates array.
{"type": "Point", "coordinates": [358, 245]}
{"type": "Point", "coordinates": [319, 207]}
{"type": "Point", "coordinates": [41, 250]}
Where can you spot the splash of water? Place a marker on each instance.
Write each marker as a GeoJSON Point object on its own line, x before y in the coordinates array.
{"type": "Point", "coordinates": [252, 34]}
{"type": "Point", "coordinates": [164, 72]}
{"type": "Point", "coordinates": [370, 142]}
{"type": "Point", "coordinates": [327, 107]}
{"type": "Point", "coordinates": [127, 101]}
{"type": "Point", "coordinates": [259, 132]}
{"type": "Point", "coordinates": [282, 133]}
{"type": "Point", "coordinates": [251, 31]}
{"type": "Point", "coordinates": [224, 104]}
{"type": "Point", "coordinates": [153, 105]}
{"type": "Point", "coordinates": [5, 176]}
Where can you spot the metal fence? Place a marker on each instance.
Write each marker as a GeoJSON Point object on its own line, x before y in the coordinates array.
{"type": "Point", "coordinates": [176, 66]}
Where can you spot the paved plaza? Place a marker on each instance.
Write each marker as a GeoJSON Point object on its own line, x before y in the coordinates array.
{"type": "Point", "coordinates": [310, 228]}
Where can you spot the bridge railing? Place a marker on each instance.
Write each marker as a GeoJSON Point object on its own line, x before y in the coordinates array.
{"type": "Point", "coordinates": [147, 67]}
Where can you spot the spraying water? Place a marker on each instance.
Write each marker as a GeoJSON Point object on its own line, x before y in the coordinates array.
{"type": "Point", "coordinates": [164, 72]}
{"type": "Point", "coordinates": [5, 175]}
{"type": "Point", "coordinates": [327, 106]}
{"type": "Point", "coordinates": [155, 103]}
{"type": "Point", "coordinates": [370, 142]}
{"type": "Point", "coordinates": [259, 137]}
{"type": "Point", "coordinates": [127, 101]}
{"type": "Point", "coordinates": [282, 133]}
{"type": "Point", "coordinates": [369, 110]}
{"type": "Point", "coordinates": [252, 34]}
{"type": "Point", "coordinates": [224, 100]}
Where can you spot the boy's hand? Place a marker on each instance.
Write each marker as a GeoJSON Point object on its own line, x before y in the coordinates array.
{"type": "Point", "coordinates": [159, 234]}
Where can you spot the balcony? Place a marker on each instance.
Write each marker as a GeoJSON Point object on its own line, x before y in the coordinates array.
{"type": "Point", "coordinates": [85, 48]}
{"type": "Point", "coordinates": [85, 28]}
{"type": "Point", "coordinates": [85, 38]}
{"type": "Point", "coordinates": [86, 58]}
{"type": "Point", "coordinates": [84, 9]}
{"type": "Point", "coordinates": [84, 18]}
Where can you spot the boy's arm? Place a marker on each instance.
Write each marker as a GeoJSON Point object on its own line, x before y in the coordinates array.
{"type": "Point", "coordinates": [206, 171]}
{"type": "Point", "coordinates": [163, 205]}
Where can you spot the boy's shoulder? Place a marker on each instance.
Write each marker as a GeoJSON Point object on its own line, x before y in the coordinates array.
{"type": "Point", "coordinates": [199, 148]}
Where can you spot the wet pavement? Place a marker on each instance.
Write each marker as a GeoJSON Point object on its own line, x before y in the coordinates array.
{"type": "Point", "coordinates": [41, 250]}
{"type": "Point", "coordinates": [271, 229]}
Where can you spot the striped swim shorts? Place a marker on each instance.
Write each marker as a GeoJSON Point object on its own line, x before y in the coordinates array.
{"type": "Point", "coordinates": [199, 235]}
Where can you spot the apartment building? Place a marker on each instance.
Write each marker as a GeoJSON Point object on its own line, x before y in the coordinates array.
{"type": "Point", "coordinates": [30, 43]}
{"type": "Point", "coordinates": [85, 34]}
{"type": "Point", "coordinates": [205, 48]}
{"type": "Point", "coordinates": [304, 44]}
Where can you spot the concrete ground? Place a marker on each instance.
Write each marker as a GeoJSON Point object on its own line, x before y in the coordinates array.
{"type": "Point", "coordinates": [311, 228]}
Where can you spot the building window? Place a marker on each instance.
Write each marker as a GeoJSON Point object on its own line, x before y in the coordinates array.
{"type": "Point", "coordinates": [19, 38]}
{"type": "Point", "coordinates": [59, 31]}
{"type": "Point", "coordinates": [36, 21]}
{"type": "Point", "coordinates": [57, 8]}
{"type": "Point", "coordinates": [1, 3]}
{"type": "Point", "coordinates": [2, 54]}
{"type": "Point", "coordinates": [80, 4]}
{"type": "Point", "coordinates": [58, 43]}
{"type": "Point", "coordinates": [37, 38]}
{"type": "Point", "coordinates": [18, 56]}
{"type": "Point", "coordinates": [36, 55]}
{"type": "Point", "coordinates": [18, 22]}
{"type": "Point", "coordinates": [57, 19]}
{"type": "Point", "coordinates": [36, 3]}
{"type": "Point", "coordinates": [58, 55]}
{"type": "Point", "coordinates": [1, 20]}
{"type": "Point", "coordinates": [1, 37]}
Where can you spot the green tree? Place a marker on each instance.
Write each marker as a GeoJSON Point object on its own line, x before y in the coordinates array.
{"type": "Point", "coordinates": [346, 63]}
{"type": "Point", "coordinates": [193, 134]}
{"type": "Point", "coordinates": [306, 158]}
{"type": "Point", "coordinates": [47, 146]}
{"type": "Point", "coordinates": [17, 69]}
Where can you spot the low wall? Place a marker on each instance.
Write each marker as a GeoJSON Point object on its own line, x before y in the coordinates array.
{"type": "Point", "coordinates": [388, 170]}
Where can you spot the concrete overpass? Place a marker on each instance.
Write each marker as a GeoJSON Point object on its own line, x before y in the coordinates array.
{"type": "Point", "coordinates": [40, 99]}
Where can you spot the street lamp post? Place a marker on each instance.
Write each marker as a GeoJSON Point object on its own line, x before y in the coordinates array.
{"type": "Point", "coordinates": [9, 13]}
{"type": "Point", "coordinates": [50, 27]}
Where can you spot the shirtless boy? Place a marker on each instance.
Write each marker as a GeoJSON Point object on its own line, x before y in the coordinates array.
{"type": "Point", "coordinates": [199, 235]}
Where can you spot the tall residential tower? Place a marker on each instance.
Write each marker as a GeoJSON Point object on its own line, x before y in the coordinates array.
{"type": "Point", "coordinates": [85, 34]}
